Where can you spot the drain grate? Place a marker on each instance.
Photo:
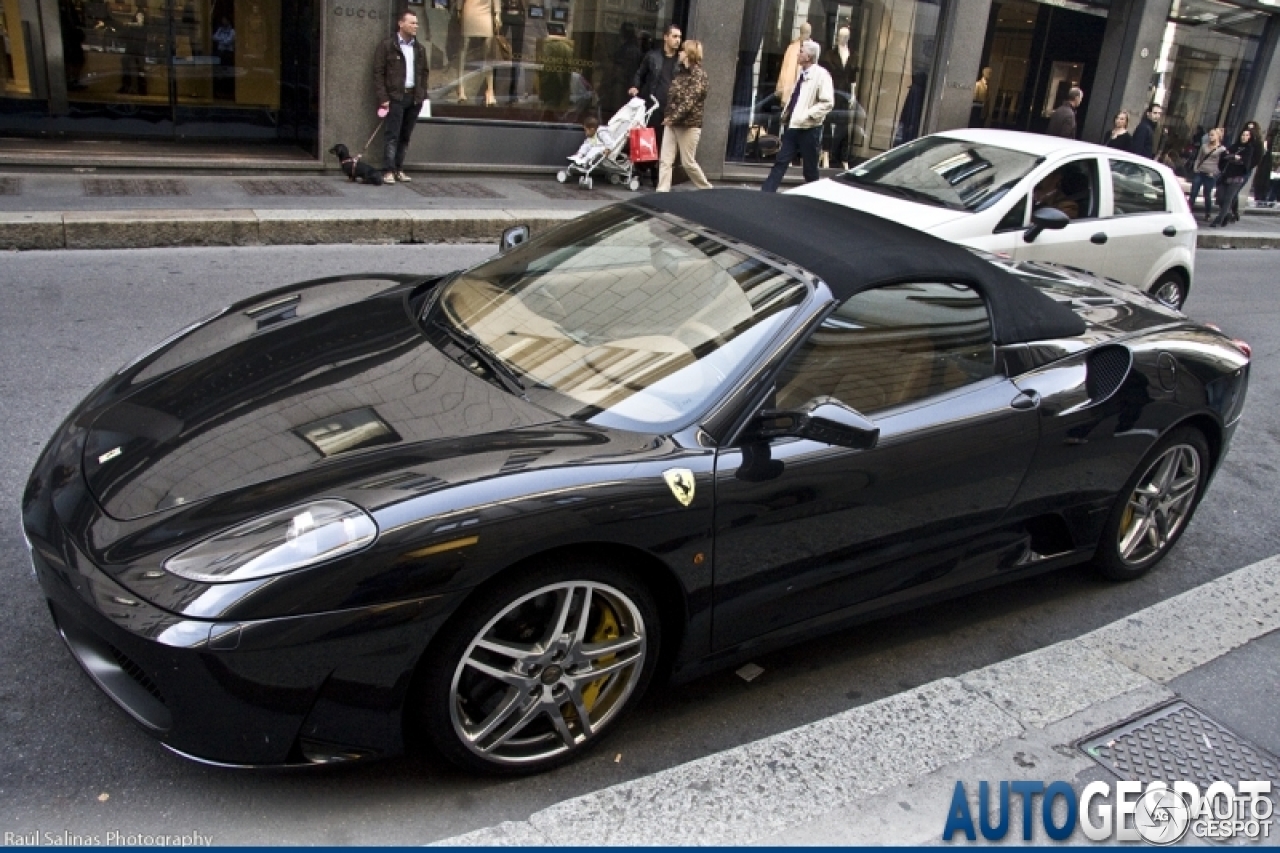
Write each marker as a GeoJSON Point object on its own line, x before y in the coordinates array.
{"type": "Point", "coordinates": [10, 186]}
{"type": "Point", "coordinates": [134, 187]}
{"type": "Point", "coordinates": [567, 191]}
{"type": "Point", "coordinates": [1177, 742]}
{"type": "Point", "coordinates": [294, 187]}
{"type": "Point", "coordinates": [453, 189]}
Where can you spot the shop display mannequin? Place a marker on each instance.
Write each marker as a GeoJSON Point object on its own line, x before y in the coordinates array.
{"type": "Point", "coordinates": [791, 63]}
{"type": "Point", "coordinates": [842, 64]}
{"type": "Point", "coordinates": [977, 114]}
{"type": "Point", "coordinates": [481, 20]}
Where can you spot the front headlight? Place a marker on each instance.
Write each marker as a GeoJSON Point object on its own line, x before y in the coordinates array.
{"type": "Point", "coordinates": [280, 542]}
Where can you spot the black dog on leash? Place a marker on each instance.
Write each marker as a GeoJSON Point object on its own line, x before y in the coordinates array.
{"type": "Point", "coordinates": [353, 168]}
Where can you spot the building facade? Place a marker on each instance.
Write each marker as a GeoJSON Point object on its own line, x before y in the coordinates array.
{"type": "Point", "coordinates": [510, 80]}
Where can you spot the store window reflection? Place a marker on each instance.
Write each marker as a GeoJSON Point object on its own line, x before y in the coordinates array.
{"type": "Point", "coordinates": [1207, 56]}
{"type": "Point", "coordinates": [539, 61]}
{"type": "Point", "coordinates": [212, 69]}
{"type": "Point", "coordinates": [880, 54]}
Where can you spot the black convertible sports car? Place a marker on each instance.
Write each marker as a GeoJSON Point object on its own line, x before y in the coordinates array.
{"type": "Point", "coordinates": [487, 509]}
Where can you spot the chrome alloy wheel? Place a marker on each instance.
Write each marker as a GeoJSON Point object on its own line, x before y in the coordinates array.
{"type": "Point", "coordinates": [1170, 291]}
{"type": "Point", "coordinates": [548, 673]}
{"type": "Point", "coordinates": [1160, 504]}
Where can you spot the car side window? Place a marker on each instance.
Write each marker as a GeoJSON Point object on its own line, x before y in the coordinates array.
{"type": "Point", "coordinates": [892, 346]}
{"type": "Point", "coordinates": [1136, 189]}
{"type": "Point", "coordinates": [1071, 188]}
{"type": "Point", "coordinates": [1015, 219]}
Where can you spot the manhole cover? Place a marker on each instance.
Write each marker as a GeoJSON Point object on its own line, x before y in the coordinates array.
{"type": "Point", "coordinates": [1177, 742]}
{"type": "Point", "coordinates": [10, 186]}
{"type": "Point", "coordinates": [291, 187]}
{"type": "Point", "coordinates": [134, 187]}
{"type": "Point", "coordinates": [570, 191]}
{"type": "Point", "coordinates": [452, 189]}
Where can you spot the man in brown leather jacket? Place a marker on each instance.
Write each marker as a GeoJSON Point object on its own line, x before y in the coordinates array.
{"type": "Point", "coordinates": [400, 81]}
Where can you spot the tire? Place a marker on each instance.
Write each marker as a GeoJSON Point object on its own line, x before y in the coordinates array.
{"type": "Point", "coordinates": [1155, 506]}
{"type": "Point", "coordinates": [588, 183]}
{"type": "Point", "coordinates": [513, 689]}
{"type": "Point", "coordinates": [1170, 289]}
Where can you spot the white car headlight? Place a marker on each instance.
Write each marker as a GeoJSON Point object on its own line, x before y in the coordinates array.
{"type": "Point", "coordinates": [281, 542]}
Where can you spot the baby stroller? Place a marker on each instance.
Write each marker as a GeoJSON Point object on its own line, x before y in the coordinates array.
{"type": "Point", "coordinates": [611, 159]}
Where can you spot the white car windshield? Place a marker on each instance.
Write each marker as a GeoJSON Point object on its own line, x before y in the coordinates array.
{"type": "Point", "coordinates": [623, 318]}
{"type": "Point", "coordinates": [944, 172]}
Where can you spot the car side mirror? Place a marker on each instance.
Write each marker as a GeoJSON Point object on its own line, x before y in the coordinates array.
{"type": "Point", "coordinates": [512, 237]}
{"type": "Point", "coordinates": [823, 419]}
{"type": "Point", "coordinates": [1045, 219]}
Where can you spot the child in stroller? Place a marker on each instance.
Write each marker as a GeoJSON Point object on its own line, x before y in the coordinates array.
{"type": "Point", "coordinates": [604, 151]}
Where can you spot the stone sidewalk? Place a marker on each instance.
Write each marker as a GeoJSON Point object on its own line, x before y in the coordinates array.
{"type": "Point", "coordinates": [89, 210]}
{"type": "Point", "coordinates": [886, 772]}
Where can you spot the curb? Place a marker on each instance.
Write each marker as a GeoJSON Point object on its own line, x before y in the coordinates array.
{"type": "Point", "coordinates": [758, 790]}
{"type": "Point", "coordinates": [151, 229]}
{"type": "Point", "coordinates": [156, 229]}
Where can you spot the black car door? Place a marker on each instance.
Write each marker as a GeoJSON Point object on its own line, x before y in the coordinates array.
{"type": "Point", "coordinates": [805, 528]}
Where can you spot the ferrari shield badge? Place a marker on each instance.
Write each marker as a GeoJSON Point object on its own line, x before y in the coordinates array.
{"type": "Point", "coordinates": [680, 480]}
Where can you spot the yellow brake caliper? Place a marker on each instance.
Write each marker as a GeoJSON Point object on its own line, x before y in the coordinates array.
{"type": "Point", "coordinates": [607, 629]}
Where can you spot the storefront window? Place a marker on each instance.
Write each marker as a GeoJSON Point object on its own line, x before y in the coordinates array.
{"type": "Point", "coordinates": [542, 61]}
{"type": "Point", "coordinates": [212, 69]}
{"type": "Point", "coordinates": [1207, 57]}
{"type": "Point", "coordinates": [880, 54]}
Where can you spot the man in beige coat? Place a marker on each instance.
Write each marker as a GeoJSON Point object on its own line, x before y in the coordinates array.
{"type": "Point", "coordinates": [807, 105]}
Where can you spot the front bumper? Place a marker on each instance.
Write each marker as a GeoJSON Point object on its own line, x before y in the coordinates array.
{"type": "Point", "coordinates": [290, 690]}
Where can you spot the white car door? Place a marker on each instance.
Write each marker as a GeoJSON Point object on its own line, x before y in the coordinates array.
{"type": "Point", "coordinates": [1073, 186]}
{"type": "Point", "coordinates": [1141, 227]}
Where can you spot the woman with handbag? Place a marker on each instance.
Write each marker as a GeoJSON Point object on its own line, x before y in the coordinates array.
{"type": "Point", "coordinates": [1236, 163]}
{"type": "Point", "coordinates": [683, 120]}
{"type": "Point", "coordinates": [1204, 173]}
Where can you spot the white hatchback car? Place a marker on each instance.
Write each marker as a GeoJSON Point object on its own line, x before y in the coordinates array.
{"type": "Point", "coordinates": [1034, 197]}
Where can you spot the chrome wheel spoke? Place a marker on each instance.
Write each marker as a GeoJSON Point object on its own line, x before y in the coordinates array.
{"type": "Point", "coordinates": [580, 706]}
{"type": "Point", "coordinates": [506, 676]}
{"type": "Point", "coordinates": [595, 651]}
{"type": "Point", "coordinates": [527, 715]}
{"type": "Point", "coordinates": [563, 606]}
{"type": "Point", "coordinates": [500, 714]}
{"type": "Point", "coordinates": [584, 617]}
{"type": "Point", "coordinates": [562, 727]}
{"type": "Point", "coordinates": [599, 671]}
{"type": "Point", "coordinates": [514, 651]}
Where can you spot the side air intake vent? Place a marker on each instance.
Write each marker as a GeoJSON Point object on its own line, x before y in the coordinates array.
{"type": "Point", "coordinates": [1107, 369]}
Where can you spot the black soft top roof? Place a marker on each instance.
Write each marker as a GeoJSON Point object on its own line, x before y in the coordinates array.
{"type": "Point", "coordinates": [853, 251]}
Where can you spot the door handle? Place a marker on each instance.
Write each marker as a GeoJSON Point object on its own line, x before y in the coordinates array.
{"type": "Point", "coordinates": [1099, 238]}
{"type": "Point", "coordinates": [1025, 400]}
{"type": "Point", "coordinates": [1169, 231]}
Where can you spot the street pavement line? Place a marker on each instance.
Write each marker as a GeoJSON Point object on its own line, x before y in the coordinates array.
{"type": "Point", "coordinates": [761, 788]}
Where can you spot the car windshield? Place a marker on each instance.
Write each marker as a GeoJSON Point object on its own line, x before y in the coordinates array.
{"type": "Point", "coordinates": [944, 172]}
{"type": "Point", "coordinates": [621, 318]}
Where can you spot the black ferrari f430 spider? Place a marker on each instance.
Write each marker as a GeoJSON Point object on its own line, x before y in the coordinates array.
{"type": "Point", "coordinates": [487, 509]}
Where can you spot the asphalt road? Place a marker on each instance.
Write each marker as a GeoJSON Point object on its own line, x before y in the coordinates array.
{"type": "Point", "coordinates": [73, 763]}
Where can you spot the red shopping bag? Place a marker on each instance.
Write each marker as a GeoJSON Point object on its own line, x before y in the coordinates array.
{"type": "Point", "coordinates": [644, 145]}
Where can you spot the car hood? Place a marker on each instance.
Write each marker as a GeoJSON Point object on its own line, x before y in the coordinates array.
{"type": "Point", "coordinates": [922, 217]}
{"type": "Point", "coordinates": [279, 385]}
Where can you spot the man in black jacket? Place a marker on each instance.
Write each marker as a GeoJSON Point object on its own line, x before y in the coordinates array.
{"type": "Point", "coordinates": [653, 77]}
{"type": "Point", "coordinates": [400, 81]}
{"type": "Point", "coordinates": [1063, 121]}
{"type": "Point", "coordinates": [1145, 135]}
